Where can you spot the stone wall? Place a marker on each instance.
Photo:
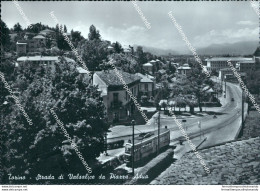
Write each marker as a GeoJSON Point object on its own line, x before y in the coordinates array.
{"type": "Point", "coordinates": [233, 163]}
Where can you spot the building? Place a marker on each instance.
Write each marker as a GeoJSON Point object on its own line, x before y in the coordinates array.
{"type": "Point", "coordinates": [21, 48]}
{"type": "Point", "coordinates": [119, 105]}
{"type": "Point", "coordinates": [146, 86]}
{"type": "Point", "coordinates": [83, 74]}
{"type": "Point", "coordinates": [128, 50]}
{"type": "Point", "coordinates": [32, 45]}
{"type": "Point", "coordinates": [223, 72]}
{"type": "Point", "coordinates": [246, 66]}
{"type": "Point", "coordinates": [217, 63]}
{"type": "Point", "coordinates": [48, 33]}
{"type": "Point", "coordinates": [40, 40]}
{"type": "Point", "coordinates": [148, 67]}
{"type": "Point", "coordinates": [47, 61]}
{"type": "Point", "coordinates": [184, 70]}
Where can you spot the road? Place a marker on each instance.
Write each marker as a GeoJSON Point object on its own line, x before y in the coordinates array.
{"type": "Point", "coordinates": [217, 130]}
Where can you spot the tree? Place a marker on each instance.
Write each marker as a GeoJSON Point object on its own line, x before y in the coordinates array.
{"type": "Point", "coordinates": [93, 33]}
{"type": "Point", "coordinates": [172, 69]}
{"type": "Point", "coordinates": [61, 41]}
{"type": "Point", "coordinates": [141, 58]}
{"type": "Point", "coordinates": [199, 83]}
{"type": "Point", "coordinates": [94, 52]}
{"type": "Point", "coordinates": [43, 148]}
{"type": "Point", "coordinates": [65, 29]}
{"type": "Point", "coordinates": [125, 62]}
{"type": "Point", "coordinates": [118, 48]}
{"type": "Point", "coordinates": [5, 38]}
{"type": "Point", "coordinates": [76, 37]}
{"type": "Point", "coordinates": [18, 28]}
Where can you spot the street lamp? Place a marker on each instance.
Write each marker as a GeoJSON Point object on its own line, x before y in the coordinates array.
{"type": "Point", "coordinates": [133, 147]}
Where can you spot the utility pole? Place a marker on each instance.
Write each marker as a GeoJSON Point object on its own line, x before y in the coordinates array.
{"type": "Point", "coordinates": [199, 124]}
{"type": "Point", "coordinates": [133, 147]}
{"type": "Point", "coordinates": [225, 88]}
{"type": "Point", "coordinates": [106, 143]}
{"type": "Point", "coordinates": [242, 109]}
{"type": "Point", "coordinates": [159, 116]}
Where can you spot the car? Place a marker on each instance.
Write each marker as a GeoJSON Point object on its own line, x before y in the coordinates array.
{"type": "Point", "coordinates": [232, 99]}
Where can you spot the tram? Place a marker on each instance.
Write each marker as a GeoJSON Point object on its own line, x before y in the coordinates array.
{"type": "Point", "coordinates": [146, 145]}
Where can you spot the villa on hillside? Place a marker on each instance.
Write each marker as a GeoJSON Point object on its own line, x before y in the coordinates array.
{"type": "Point", "coordinates": [146, 86]}
{"type": "Point", "coordinates": [184, 70]}
{"type": "Point", "coordinates": [119, 105]}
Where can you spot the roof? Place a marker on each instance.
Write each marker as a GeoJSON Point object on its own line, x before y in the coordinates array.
{"type": "Point", "coordinates": [47, 31]}
{"type": "Point", "coordinates": [145, 79]}
{"type": "Point", "coordinates": [147, 64]}
{"type": "Point", "coordinates": [82, 71]}
{"type": "Point", "coordinates": [228, 58]}
{"type": "Point", "coordinates": [162, 71]}
{"type": "Point", "coordinates": [21, 43]}
{"type": "Point", "coordinates": [39, 36]}
{"type": "Point", "coordinates": [184, 68]}
{"type": "Point", "coordinates": [111, 79]}
{"type": "Point", "coordinates": [140, 139]}
{"type": "Point", "coordinates": [248, 61]}
{"type": "Point", "coordinates": [38, 58]}
{"type": "Point", "coordinates": [127, 50]}
{"type": "Point", "coordinates": [152, 61]}
{"type": "Point", "coordinates": [69, 60]}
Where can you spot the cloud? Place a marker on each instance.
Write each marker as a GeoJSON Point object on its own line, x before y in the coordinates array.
{"type": "Point", "coordinates": [245, 23]}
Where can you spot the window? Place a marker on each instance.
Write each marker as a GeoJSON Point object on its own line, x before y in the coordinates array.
{"type": "Point", "coordinates": [146, 87]}
{"type": "Point", "coordinates": [115, 97]}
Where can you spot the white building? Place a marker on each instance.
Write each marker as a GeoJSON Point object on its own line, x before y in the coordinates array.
{"type": "Point", "coordinates": [217, 63]}
{"type": "Point", "coordinates": [148, 67]}
{"type": "Point", "coordinates": [47, 61]}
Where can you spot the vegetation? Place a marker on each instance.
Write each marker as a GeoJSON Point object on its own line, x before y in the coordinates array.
{"type": "Point", "coordinates": [42, 148]}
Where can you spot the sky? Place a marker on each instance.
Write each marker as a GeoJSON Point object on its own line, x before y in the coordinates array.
{"type": "Point", "coordinates": [204, 23]}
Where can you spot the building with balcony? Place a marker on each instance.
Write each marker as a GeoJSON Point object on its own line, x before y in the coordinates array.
{"type": "Point", "coordinates": [119, 105]}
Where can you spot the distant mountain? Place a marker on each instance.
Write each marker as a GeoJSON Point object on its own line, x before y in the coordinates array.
{"type": "Point", "coordinates": [157, 51]}
{"type": "Point", "coordinates": [239, 48]}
